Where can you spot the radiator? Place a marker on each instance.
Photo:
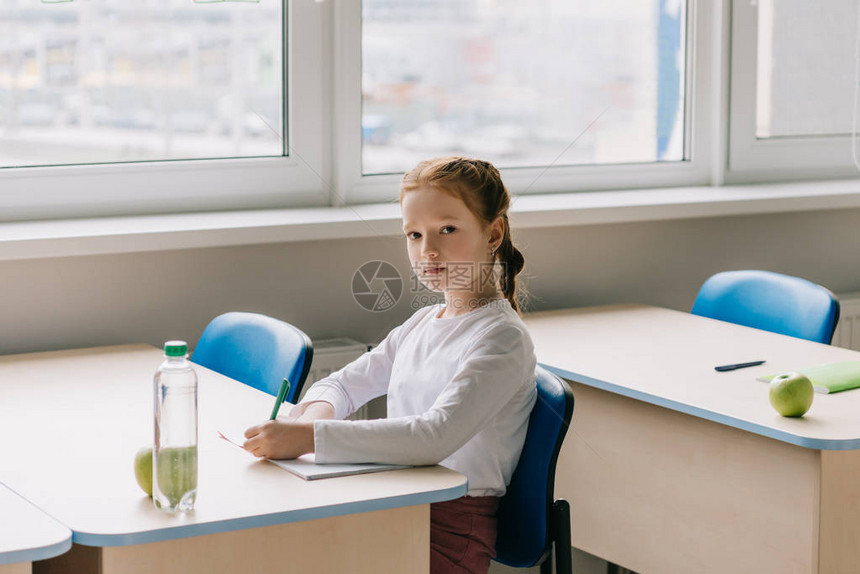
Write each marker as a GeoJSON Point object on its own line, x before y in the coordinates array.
{"type": "Point", "coordinates": [331, 355]}
{"type": "Point", "coordinates": [848, 329]}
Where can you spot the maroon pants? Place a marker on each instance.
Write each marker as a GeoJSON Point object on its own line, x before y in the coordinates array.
{"type": "Point", "coordinates": [463, 535]}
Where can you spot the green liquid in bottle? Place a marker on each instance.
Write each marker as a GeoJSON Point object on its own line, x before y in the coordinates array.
{"type": "Point", "coordinates": [176, 478]}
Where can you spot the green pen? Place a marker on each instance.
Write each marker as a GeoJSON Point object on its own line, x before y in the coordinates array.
{"type": "Point", "coordinates": [282, 394]}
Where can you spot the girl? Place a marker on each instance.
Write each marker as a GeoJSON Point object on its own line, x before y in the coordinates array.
{"type": "Point", "coordinates": [460, 376]}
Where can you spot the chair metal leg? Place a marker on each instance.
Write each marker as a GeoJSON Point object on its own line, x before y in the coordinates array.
{"type": "Point", "coordinates": [561, 536]}
{"type": "Point", "coordinates": [546, 565]}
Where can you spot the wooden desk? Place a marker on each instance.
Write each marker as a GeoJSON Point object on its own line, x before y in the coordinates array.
{"type": "Point", "coordinates": [81, 416]}
{"type": "Point", "coordinates": [27, 534]}
{"type": "Point", "coordinates": [673, 467]}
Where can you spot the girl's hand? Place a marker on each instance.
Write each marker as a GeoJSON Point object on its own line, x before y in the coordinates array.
{"type": "Point", "coordinates": [280, 439]}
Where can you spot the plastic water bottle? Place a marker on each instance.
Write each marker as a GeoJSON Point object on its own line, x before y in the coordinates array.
{"type": "Point", "coordinates": [174, 456]}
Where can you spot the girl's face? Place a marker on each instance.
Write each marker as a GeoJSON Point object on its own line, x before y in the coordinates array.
{"type": "Point", "coordinates": [448, 246]}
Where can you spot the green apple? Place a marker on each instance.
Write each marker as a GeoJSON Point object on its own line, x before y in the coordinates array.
{"type": "Point", "coordinates": [791, 394]}
{"type": "Point", "coordinates": [143, 469]}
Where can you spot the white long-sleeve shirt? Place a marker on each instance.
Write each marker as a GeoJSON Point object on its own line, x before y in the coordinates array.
{"type": "Point", "coordinates": [460, 390]}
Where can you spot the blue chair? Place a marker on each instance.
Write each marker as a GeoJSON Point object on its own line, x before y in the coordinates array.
{"type": "Point", "coordinates": [771, 302]}
{"type": "Point", "coordinates": [530, 521]}
{"type": "Point", "coordinates": [257, 350]}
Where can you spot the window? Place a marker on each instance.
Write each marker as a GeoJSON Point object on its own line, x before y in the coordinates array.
{"type": "Point", "coordinates": [112, 107]}
{"type": "Point", "coordinates": [519, 83]}
{"type": "Point", "coordinates": [102, 82]}
{"type": "Point", "coordinates": [109, 107]}
{"type": "Point", "coordinates": [557, 93]}
{"type": "Point", "coordinates": [793, 88]}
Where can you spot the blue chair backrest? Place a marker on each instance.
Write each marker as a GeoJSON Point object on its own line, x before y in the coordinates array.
{"type": "Point", "coordinates": [256, 350]}
{"type": "Point", "coordinates": [523, 538]}
{"type": "Point", "coordinates": [771, 302]}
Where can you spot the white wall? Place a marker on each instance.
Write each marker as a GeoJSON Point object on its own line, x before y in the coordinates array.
{"type": "Point", "coordinates": [151, 297]}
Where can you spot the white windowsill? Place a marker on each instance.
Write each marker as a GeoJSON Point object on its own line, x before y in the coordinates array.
{"type": "Point", "coordinates": [41, 239]}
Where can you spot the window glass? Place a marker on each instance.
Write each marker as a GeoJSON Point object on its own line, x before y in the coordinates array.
{"type": "Point", "coordinates": [523, 84]}
{"type": "Point", "coordinates": [100, 81]}
{"type": "Point", "coordinates": [805, 72]}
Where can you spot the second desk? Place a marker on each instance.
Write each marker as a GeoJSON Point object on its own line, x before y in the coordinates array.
{"type": "Point", "coordinates": [673, 467]}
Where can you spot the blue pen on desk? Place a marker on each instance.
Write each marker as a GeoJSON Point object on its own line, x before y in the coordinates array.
{"type": "Point", "coordinates": [282, 394]}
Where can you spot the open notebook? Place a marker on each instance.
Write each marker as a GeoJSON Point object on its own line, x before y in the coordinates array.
{"type": "Point", "coordinates": [831, 377]}
{"type": "Point", "coordinates": [307, 468]}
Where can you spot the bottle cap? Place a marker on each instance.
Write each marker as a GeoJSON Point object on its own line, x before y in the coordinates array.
{"type": "Point", "coordinates": [175, 348]}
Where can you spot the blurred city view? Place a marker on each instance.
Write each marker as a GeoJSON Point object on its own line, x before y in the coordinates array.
{"type": "Point", "coordinates": [100, 81]}
{"type": "Point", "coordinates": [517, 82]}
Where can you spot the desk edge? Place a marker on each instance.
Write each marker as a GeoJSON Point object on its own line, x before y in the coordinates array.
{"type": "Point", "coordinates": [204, 528]}
{"type": "Point", "coordinates": [37, 553]}
{"type": "Point", "coordinates": [783, 436]}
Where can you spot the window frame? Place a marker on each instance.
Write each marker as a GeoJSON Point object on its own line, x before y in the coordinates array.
{"type": "Point", "coordinates": [751, 159]}
{"type": "Point", "coordinates": [323, 85]}
{"type": "Point", "coordinates": [298, 179]}
{"type": "Point", "coordinates": [353, 187]}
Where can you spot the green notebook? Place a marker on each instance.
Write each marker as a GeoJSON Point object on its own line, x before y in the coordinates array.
{"type": "Point", "coordinates": [830, 378]}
